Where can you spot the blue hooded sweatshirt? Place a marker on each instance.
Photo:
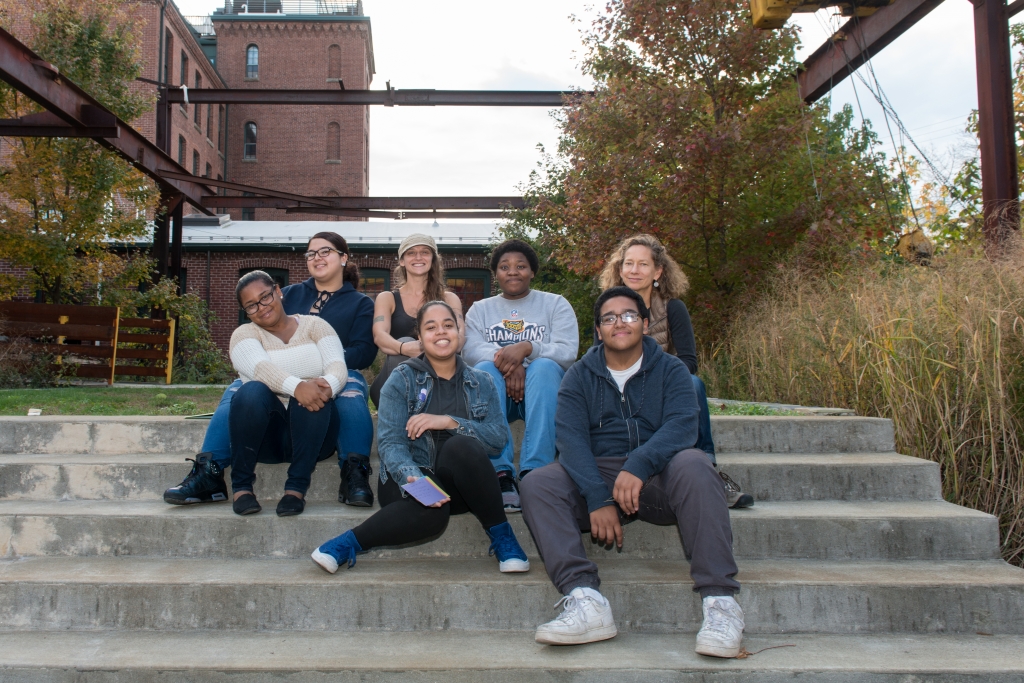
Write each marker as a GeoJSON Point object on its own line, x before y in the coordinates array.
{"type": "Point", "coordinates": [349, 312]}
{"type": "Point", "coordinates": [654, 418]}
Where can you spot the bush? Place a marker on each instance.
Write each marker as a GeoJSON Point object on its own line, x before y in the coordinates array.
{"type": "Point", "coordinates": [24, 365]}
{"type": "Point", "coordinates": [940, 351]}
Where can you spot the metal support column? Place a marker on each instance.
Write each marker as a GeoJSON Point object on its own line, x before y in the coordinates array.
{"type": "Point", "coordinates": [996, 120]}
{"type": "Point", "coordinates": [175, 271]}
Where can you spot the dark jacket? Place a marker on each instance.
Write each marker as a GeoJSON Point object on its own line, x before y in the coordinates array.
{"type": "Point", "coordinates": [408, 392]}
{"type": "Point", "coordinates": [349, 312]}
{"type": "Point", "coordinates": [652, 420]}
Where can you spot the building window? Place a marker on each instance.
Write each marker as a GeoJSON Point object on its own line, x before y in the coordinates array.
{"type": "Point", "coordinates": [248, 212]}
{"type": "Point", "coordinates": [252, 62]}
{"type": "Point", "coordinates": [333, 142]}
{"type": "Point", "coordinates": [469, 284]}
{"type": "Point", "coordinates": [197, 117]}
{"type": "Point", "coordinates": [220, 128]}
{"type": "Point", "coordinates": [249, 149]}
{"type": "Point", "coordinates": [278, 275]}
{"type": "Point", "coordinates": [373, 281]}
{"type": "Point", "coordinates": [209, 171]}
{"type": "Point", "coordinates": [195, 162]}
{"type": "Point", "coordinates": [181, 150]}
{"type": "Point", "coordinates": [334, 63]}
{"type": "Point", "coordinates": [209, 122]}
{"type": "Point", "coordinates": [168, 56]}
{"type": "Point", "coordinates": [184, 68]}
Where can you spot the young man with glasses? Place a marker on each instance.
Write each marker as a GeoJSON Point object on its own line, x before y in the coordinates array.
{"type": "Point", "coordinates": [623, 410]}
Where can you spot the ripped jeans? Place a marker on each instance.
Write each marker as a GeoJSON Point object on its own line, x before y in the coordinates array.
{"type": "Point", "coordinates": [354, 436]}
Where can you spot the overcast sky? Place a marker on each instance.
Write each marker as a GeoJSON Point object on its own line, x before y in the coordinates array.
{"type": "Point", "coordinates": [928, 75]}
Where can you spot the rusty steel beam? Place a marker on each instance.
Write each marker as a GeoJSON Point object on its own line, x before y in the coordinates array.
{"type": "Point", "coordinates": [387, 98]}
{"type": "Point", "coordinates": [28, 73]}
{"type": "Point", "coordinates": [396, 215]}
{"type": "Point", "coordinates": [181, 175]}
{"type": "Point", "coordinates": [45, 124]}
{"type": "Point", "coordinates": [855, 43]}
{"type": "Point", "coordinates": [999, 184]}
{"type": "Point", "coordinates": [365, 203]}
{"type": "Point", "coordinates": [1014, 8]}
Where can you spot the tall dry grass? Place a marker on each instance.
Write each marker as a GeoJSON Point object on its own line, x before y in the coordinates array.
{"type": "Point", "coordinates": [940, 351]}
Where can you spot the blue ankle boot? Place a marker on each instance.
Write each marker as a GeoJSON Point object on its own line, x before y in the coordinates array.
{"type": "Point", "coordinates": [338, 551]}
{"type": "Point", "coordinates": [511, 557]}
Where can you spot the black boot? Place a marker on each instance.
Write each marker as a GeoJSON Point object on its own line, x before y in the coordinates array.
{"type": "Point", "coordinates": [204, 484]}
{"type": "Point", "coordinates": [355, 486]}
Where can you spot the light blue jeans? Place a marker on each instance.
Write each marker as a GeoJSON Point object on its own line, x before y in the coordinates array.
{"type": "Point", "coordinates": [537, 409]}
{"type": "Point", "coordinates": [354, 436]}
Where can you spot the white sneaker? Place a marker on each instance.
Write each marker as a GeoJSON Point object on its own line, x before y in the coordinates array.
{"type": "Point", "coordinates": [722, 631]}
{"type": "Point", "coordinates": [586, 618]}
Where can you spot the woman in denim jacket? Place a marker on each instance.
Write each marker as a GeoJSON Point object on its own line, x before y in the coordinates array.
{"type": "Point", "coordinates": [438, 417]}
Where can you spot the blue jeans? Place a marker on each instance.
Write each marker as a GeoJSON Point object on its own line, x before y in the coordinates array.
{"type": "Point", "coordinates": [704, 440]}
{"type": "Point", "coordinates": [354, 436]}
{"type": "Point", "coordinates": [263, 430]}
{"type": "Point", "coordinates": [537, 409]}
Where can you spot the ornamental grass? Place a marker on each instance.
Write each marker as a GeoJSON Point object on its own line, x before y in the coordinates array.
{"type": "Point", "coordinates": [939, 350]}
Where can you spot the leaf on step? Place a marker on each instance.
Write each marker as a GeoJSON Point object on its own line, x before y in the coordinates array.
{"type": "Point", "coordinates": [744, 653]}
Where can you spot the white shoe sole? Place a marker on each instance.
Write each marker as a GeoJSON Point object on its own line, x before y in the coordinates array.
{"type": "Point", "coordinates": [592, 636]}
{"type": "Point", "coordinates": [324, 560]}
{"type": "Point", "coordinates": [514, 566]}
{"type": "Point", "coordinates": [723, 651]}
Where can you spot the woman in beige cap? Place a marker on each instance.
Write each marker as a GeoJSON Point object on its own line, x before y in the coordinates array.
{"type": "Point", "coordinates": [419, 278]}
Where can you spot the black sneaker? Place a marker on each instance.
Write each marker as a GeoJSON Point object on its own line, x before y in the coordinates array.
{"type": "Point", "coordinates": [355, 481]}
{"type": "Point", "coordinates": [509, 491]}
{"type": "Point", "coordinates": [204, 484]}
{"type": "Point", "coordinates": [734, 494]}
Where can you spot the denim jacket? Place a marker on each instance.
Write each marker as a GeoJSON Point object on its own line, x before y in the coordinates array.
{"type": "Point", "coordinates": [407, 393]}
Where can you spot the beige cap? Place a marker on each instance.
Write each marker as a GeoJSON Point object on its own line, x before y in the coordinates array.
{"type": "Point", "coordinates": [417, 239]}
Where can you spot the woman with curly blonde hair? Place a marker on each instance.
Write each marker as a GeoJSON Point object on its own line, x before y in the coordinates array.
{"type": "Point", "coordinates": [641, 263]}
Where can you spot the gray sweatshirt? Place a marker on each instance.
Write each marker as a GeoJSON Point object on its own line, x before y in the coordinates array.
{"type": "Point", "coordinates": [544, 319]}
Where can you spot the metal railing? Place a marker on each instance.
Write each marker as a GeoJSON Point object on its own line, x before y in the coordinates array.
{"type": "Point", "coordinates": [202, 25]}
{"type": "Point", "coordinates": [320, 7]}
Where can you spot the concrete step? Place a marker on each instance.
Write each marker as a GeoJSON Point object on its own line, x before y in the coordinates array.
{"type": "Point", "coordinates": [489, 657]}
{"type": "Point", "coordinates": [768, 476]}
{"type": "Point", "coordinates": [919, 530]}
{"type": "Point", "coordinates": [143, 434]}
{"type": "Point", "coordinates": [652, 596]}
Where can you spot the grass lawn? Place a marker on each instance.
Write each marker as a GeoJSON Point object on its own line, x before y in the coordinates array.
{"type": "Point", "coordinates": [745, 409]}
{"type": "Point", "coordinates": [110, 401]}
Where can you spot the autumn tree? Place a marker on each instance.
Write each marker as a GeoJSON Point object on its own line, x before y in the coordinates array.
{"type": "Point", "coordinates": [696, 134]}
{"type": "Point", "coordinates": [64, 201]}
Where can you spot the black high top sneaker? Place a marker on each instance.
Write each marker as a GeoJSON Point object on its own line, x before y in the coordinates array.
{"type": "Point", "coordinates": [355, 485]}
{"type": "Point", "coordinates": [204, 484]}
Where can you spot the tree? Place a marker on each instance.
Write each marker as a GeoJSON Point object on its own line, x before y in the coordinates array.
{"type": "Point", "coordinates": [65, 200]}
{"type": "Point", "coordinates": [696, 134]}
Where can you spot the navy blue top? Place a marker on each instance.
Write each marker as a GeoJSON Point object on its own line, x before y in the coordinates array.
{"type": "Point", "coordinates": [349, 312]}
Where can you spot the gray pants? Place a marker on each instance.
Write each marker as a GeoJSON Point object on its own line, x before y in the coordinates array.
{"type": "Point", "coordinates": [687, 493]}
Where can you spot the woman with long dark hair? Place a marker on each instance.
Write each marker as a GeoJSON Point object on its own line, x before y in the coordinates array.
{"type": "Point", "coordinates": [441, 418]}
{"type": "Point", "coordinates": [419, 277]}
{"type": "Point", "coordinates": [332, 293]}
{"type": "Point", "coordinates": [641, 263]}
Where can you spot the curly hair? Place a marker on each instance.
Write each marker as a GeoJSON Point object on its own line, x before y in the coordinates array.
{"type": "Point", "coordinates": [518, 246]}
{"type": "Point", "coordinates": [672, 284]}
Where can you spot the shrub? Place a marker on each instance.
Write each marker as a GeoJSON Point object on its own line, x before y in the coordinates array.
{"type": "Point", "coordinates": [940, 351]}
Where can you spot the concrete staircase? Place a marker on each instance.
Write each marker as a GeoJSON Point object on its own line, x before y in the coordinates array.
{"type": "Point", "coordinates": [850, 557]}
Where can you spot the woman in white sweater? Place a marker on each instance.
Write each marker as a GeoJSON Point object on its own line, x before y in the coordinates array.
{"type": "Point", "coordinates": [291, 367]}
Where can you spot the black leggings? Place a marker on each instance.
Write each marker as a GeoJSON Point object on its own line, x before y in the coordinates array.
{"type": "Point", "coordinates": [464, 471]}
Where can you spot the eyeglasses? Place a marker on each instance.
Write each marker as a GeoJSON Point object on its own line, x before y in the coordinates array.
{"type": "Point", "coordinates": [626, 317]}
{"type": "Point", "coordinates": [322, 252]}
{"type": "Point", "coordinates": [264, 301]}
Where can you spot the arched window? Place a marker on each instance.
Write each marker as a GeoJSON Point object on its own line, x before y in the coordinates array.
{"type": "Point", "coordinates": [252, 62]}
{"type": "Point", "coordinates": [181, 150]}
{"type": "Point", "coordinates": [195, 162]}
{"type": "Point", "coordinates": [334, 62]}
{"type": "Point", "coordinates": [249, 148]}
{"type": "Point", "coordinates": [209, 171]}
{"type": "Point", "coordinates": [333, 142]}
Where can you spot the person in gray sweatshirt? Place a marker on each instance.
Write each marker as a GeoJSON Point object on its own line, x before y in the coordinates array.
{"type": "Point", "coordinates": [525, 340]}
{"type": "Point", "coordinates": [625, 413]}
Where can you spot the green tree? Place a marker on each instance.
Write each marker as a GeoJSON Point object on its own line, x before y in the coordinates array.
{"type": "Point", "coordinates": [64, 200]}
{"type": "Point", "coordinates": [696, 134]}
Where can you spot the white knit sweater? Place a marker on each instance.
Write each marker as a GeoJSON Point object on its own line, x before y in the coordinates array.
{"type": "Point", "coordinates": [313, 351]}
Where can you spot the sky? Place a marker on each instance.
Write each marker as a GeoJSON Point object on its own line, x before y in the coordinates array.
{"type": "Point", "coordinates": [928, 75]}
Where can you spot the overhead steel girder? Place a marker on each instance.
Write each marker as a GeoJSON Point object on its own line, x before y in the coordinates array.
{"type": "Point", "coordinates": [28, 73]}
{"type": "Point", "coordinates": [183, 176]}
{"type": "Point", "coordinates": [396, 215]}
{"type": "Point", "coordinates": [367, 203]}
{"type": "Point", "coordinates": [387, 98]}
{"type": "Point", "coordinates": [45, 124]}
{"type": "Point", "coordinates": [855, 43]}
